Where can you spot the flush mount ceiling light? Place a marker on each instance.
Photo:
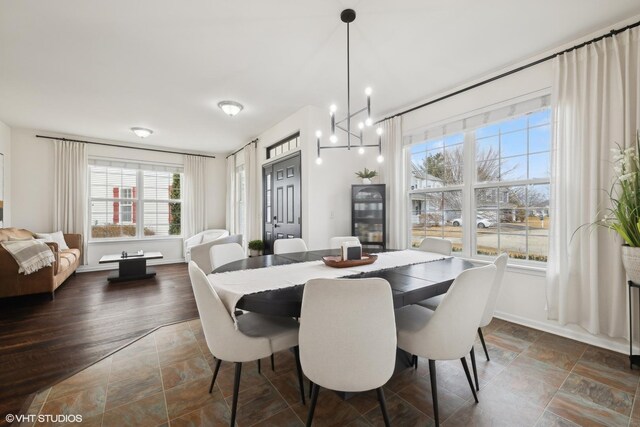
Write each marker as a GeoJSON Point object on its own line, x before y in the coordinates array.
{"type": "Point", "coordinates": [142, 132]}
{"type": "Point", "coordinates": [348, 16]}
{"type": "Point", "coordinates": [230, 108]}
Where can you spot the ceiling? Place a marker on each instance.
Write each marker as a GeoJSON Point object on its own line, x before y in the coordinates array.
{"type": "Point", "coordinates": [97, 68]}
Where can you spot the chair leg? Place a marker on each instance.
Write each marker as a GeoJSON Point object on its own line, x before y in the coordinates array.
{"type": "Point", "coordinates": [310, 388]}
{"type": "Point", "coordinates": [236, 391]}
{"type": "Point", "coordinates": [486, 353]}
{"type": "Point", "coordinates": [475, 369]}
{"type": "Point", "coordinates": [296, 352]}
{"type": "Point", "coordinates": [259, 366]}
{"type": "Point", "coordinates": [434, 390]}
{"type": "Point", "coordinates": [466, 371]}
{"type": "Point", "coordinates": [273, 363]}
{"type": "Point", "coordinates": [215, 375]}
{"type": "Point", "coordinates": [415, 362]}
{"type": "Point", "coordinates": [314, 398]}
{"type": "Point", "coordinates": [383, 406]}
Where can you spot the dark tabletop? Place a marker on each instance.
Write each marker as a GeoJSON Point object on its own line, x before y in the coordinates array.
{"type": "Point", "coordinates": [118, 257]}
{"type": "Point", "coordinates": [409, 284]}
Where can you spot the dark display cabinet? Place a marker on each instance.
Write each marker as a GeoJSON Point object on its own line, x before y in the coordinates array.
{"type": "Point", "coordinates": [368, 215]}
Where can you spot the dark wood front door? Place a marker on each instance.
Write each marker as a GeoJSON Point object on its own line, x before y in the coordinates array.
{"type": "Point", "coordinates": [282, 213]}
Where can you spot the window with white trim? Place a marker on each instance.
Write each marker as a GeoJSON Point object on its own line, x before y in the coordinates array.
{"type": "Point", "coordinates": [493, 167]}
{"type": "Point", "coordinates": [436, 189]}
{"type": "Point", "coordinates": [130, 202]}
{"type": "Point", "coordinates": [512, 187]}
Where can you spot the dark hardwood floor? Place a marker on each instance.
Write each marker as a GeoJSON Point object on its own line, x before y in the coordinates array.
{"type": "Point", "coordinates": [43, 341]}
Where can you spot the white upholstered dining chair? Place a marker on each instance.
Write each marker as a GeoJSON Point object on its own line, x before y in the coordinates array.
{"type": "Point", "coordinates": [501, 265]}
{"type": "Point", "coordinates": [256, 336]}
{"type": "Point", "coordinates": [347, 349]}
{"type": "Point", "coordinates": [336, 242]}
{"type": "Point", "coordinates": [436, 245]}
{"type": "Point", "coordinates": [224, 254]}
{"type": "Point", "coordinates": [287, 246]}
{"type": "Point", "coordinates": [448, 333]}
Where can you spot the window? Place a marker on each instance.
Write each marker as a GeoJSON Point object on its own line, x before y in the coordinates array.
{"type": "Point", "coordinates": [126, 206]}
{"type": "Point", "coordinates": [512, 187]}
{"type": "Point", "coordinates": [161, 203]}
{"type": "Point", "coordinates": [436, 189]}
{"type": "Point", "coordinates": [496, 172]}
{"type": "Point", "coordinates": [284, 146]}
{"type": "Point", "coordinates": [115, 197]}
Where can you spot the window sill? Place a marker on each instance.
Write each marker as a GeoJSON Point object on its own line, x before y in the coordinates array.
{"type": "Point", "coordinates": [134, 240]}
{"type": "Point", "coordinates": [532, 270]}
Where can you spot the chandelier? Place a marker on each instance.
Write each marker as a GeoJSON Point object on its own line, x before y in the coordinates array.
{"type": "Point", "coordinates": [345, 125]}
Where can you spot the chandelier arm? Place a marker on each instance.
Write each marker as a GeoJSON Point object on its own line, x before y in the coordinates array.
{"type": "Point", "coordinates": [327, 147]}
{"type": "Point", "coordinates": [355, 135]}
{"type": "Point", "coordinates": [355, 113]}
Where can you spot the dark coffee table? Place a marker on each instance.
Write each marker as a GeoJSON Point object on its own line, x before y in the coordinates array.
{"type": "Point", "coordinates": [131, 268]}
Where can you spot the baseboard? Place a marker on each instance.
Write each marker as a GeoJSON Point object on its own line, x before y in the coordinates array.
{"type": "Point", "coordinates": [613, 344]}
{"type": "Point", "coordinates": [114, 266]}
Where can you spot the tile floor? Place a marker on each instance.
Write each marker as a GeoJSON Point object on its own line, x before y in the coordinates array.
{"type": "Point", "coordinates": [533, 379]}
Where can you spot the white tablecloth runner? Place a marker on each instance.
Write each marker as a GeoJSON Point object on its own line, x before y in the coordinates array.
{"type": "Point", "coordinates": [233, 285]}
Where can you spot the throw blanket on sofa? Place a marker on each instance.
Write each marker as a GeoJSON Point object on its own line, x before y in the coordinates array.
{"type": "Point", "coordinates": [31, 255]}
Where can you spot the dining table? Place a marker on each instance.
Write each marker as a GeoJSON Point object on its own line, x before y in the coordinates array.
{"type": "Point", "coordinates": [409, 283]}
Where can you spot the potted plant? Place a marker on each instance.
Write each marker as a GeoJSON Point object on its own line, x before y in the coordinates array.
{"type": "Point", "coordinates": [366, 175]}
{"type": "Point", "coordinates": [624, 214]}
{"type": "Point", "coordinates": [256, 247]}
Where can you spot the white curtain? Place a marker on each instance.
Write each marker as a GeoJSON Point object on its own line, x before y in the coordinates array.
{"type": "Point", "coordinates": [253, 199]}
{"type": "Point", "coordinates": [231, 194]}
{"type": "Point", "coordinates": [194, 199]}
{"type": "Point", "coordinates": [70, 190]}
{"type": "Point", "coordinates": [596, 106]}
{"type": "Point", "coordinates": [394, 175]}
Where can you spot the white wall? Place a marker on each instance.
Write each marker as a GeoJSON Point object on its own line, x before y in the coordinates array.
{"type": "Point", "coordinates": [32, 185]}
{"type": "Point", "coordinates": [5, 149]}
{"type": "Point", "coordinates": [326, 188]}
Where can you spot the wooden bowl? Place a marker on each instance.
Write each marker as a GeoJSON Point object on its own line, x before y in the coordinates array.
{"type": "Point", "coordinates": [337, 262]}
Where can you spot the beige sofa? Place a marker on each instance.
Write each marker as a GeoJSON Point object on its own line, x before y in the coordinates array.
{"type": "Point", "coordinates": [45, 280]}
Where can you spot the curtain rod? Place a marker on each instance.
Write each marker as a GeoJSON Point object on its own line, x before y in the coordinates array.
{"type": "Point", "coordinates": [242, 148]}
{"type": "Point", "coordinates": [515, 70]}
{"type": "Point", "coordinates": [124, 146]}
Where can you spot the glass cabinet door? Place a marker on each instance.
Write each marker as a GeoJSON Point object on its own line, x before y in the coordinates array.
{"type": "Point", "coordinates": [368, 214]}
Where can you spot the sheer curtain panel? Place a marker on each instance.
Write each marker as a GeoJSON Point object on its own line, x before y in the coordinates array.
{"type": "Point", "coordinates": [70, 189]}
{"type": "Point", "coordinates": [596, 107]}
{"type": "Point", "coordinates": [253, 174]}
{"type": "Point", "coordinates": [194, 211]}
{"type": "Point", "coordinates": [231, 194]}
{"type": "Point", "coordinates": [394, 175]}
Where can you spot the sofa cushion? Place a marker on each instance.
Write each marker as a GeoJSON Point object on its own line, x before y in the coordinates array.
{"type": "Point", "coordinates": [56, 237]}
{"type": "Point", "coordinates": [6, 233]}
{"type": "Point", "coordinates": [67, 258]}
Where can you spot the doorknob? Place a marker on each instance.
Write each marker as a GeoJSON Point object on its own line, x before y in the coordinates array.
{"type": "Point", "coordinates": [275, 222]}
